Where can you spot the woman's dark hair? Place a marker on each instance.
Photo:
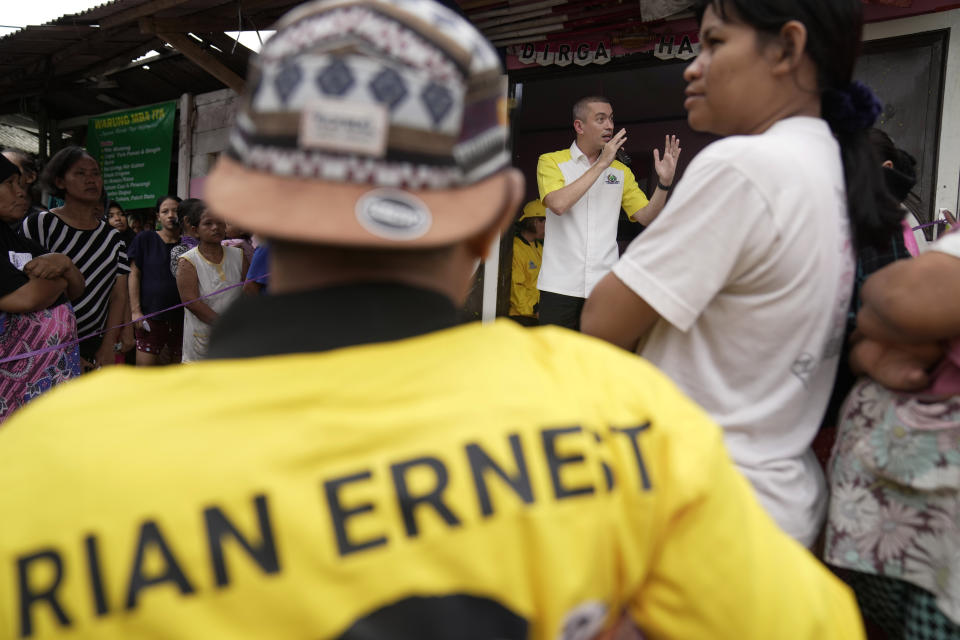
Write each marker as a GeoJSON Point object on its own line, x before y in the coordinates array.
{"type": "Point", "coordinates": [191, 210]}
{"type": "Point", "coordinates": [833, 43]}
{"type": "Point", "coordinates": [113, 204]}
{"type": "Point", "coordinates": [58, 166]}
{"type": "Point", "coordinates": [902, 176]}
{"type": "Point", "coordinates": [163, 199]}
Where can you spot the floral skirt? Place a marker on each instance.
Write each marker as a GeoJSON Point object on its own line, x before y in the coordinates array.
{"type": "Point", "coordinates": [895, 491]}
{"type": "Point", "coordinates": [24, 379]}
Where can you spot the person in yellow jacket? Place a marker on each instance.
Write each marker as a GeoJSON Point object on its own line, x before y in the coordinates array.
{"type": "Point", "coordinates": [354, 464]}
{"type": "Point", "coordinates": [527, 256]}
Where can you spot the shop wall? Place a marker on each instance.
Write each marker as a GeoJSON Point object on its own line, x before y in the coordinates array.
{"type": "Point", "coordinates": [214, 114]}
{"type": "Point", "coordinates": [915, 71]}
{"type": "Point", "coordinates": [906, 73]}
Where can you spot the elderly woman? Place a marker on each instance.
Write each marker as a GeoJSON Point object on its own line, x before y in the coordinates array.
{"type": "Point", "coordinates": [34, 308]}
{"type": "Point", "coordinates": [29, 174]}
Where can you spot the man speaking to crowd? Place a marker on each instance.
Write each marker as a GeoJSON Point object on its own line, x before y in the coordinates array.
{"type": "Point", "coordinates": [583, 189]}
{"type": "Point", "coordinates": [354, 466]}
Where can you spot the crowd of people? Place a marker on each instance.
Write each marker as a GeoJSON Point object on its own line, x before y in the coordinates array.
{"type": "Point", "coordinates": [635, 454]}
{"type": "Point", "coordinates": [125, 302]}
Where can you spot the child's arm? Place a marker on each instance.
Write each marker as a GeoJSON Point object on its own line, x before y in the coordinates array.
{"type": "Point", "coordinates": [188, 284]}
{"type": "Point", "coordinates": [245, 267]}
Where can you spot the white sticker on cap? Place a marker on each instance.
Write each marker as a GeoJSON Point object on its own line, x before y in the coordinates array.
{"type": "Point", "coordinates": [345, 126]}
{"type": "Point", "coordinates": [393, 214]}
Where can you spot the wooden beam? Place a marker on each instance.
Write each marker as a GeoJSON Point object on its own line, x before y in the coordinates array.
{"type": "Point", "coordinates": [219, 19]}
{"type": "Point", "coordinates": [185, 157]}
{"type": "Point", "coordinates": [229, 46]}
{"type": "Point", "coordinates": [113, 102]}
{"type": "Point", "coordinates": [120, 62]}
{"type": "Point", "coordinates": [185, 45]}
{"type": "Point", "coordinates": [187, 23]}
{"type": "Point", "coordinates": [135, 13]}
{"type": "Point", "coordinates": [93, 44]}
{"type": "Point", "coordinates": [55, 28]}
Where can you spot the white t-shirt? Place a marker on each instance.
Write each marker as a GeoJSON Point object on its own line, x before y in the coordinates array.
{"type": "Point", "coordinates": [750, 267]}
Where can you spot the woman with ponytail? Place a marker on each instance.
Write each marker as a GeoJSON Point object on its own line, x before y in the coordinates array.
{"type": "Point", "coordinates": [747, 315]}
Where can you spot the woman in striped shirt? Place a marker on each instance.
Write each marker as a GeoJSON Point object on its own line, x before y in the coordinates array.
{"type": "Point", "coordinates": [78, 230]}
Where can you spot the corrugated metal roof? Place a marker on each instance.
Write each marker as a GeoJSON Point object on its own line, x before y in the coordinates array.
{"type": "Point", "coordinates": [79, 63]}
{"type": "Point", "coordinates": [18, 138]}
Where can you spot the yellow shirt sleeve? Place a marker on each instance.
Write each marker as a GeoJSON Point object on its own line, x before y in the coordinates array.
{"type": "Point", "coordinates": [549, 176]}
{"type": "Point", "coordinates": [723, 568]}
{"type": "Point", "coordinates": [633, 198]}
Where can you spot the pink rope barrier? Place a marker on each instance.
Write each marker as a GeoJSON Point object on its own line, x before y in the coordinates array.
{"type": "Point", "coordinates": [65, 345]}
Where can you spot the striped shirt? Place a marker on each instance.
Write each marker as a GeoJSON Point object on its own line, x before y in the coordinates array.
{"type": "Point", "coordinates": [99, 253]}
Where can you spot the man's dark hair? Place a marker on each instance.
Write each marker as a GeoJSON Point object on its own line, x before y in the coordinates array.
{"type": "Point", "coordinates": [580, 108]}
{"type": "Point", "coordinates": [113, 204]}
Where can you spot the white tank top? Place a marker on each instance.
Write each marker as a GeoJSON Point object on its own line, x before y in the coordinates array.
{"type": "Point", "coordinates": [212, 276]}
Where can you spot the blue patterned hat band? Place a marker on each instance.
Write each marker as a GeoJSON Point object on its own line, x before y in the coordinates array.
{"type": "Point", "coordinates": [398, 93]}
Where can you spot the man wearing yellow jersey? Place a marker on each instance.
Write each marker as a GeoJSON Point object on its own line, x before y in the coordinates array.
{"type": "Point", "coordinates": [349, 463]}
{"type": "Point", "coordinates": [584, 188]}
{"type": "Point", "coordinates": [527, 255]}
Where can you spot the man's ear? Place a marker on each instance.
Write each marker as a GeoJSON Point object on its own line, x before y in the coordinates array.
{"type": "Point", "coordinates": [578, 126]}
{"type": "Point", "coordinates": [790, 46]}
{"type": "Point", "coordinates": [887, 164]}
{"type": "Point", "coordinates": [514, 187]}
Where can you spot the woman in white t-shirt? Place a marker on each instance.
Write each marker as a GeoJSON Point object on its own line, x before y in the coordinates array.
{"type": "Point", "coordinates": [747, 314]}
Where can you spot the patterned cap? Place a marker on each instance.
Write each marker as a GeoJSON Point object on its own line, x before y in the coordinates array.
{"type": "Point", "coordinates": [383, 111]}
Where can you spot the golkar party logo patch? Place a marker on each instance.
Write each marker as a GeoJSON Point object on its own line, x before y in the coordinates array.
{"type": "Point", "coordinates": [612, 179]}
{"type": "Point", "coordinates": [393, 214]}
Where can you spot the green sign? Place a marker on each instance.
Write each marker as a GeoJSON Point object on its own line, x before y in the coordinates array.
{"type": "Point", "coordinates": [133, 149]}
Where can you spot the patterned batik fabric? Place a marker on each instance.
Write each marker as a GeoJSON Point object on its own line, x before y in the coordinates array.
{"type": "Point", "coordinates": [894, 481]}
{"type": "Point", "coordinates": [24, 379]}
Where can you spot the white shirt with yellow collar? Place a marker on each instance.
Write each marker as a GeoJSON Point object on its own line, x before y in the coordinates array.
{"type": "Point", "coordinates": [580, 246]}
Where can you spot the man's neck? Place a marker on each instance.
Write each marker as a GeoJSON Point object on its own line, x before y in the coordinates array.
{"type": "Point", "coordinates": [592, 156]}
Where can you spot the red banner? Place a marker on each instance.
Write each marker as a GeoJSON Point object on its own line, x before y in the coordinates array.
{"type": "Point", "coordinates": [601, 49]}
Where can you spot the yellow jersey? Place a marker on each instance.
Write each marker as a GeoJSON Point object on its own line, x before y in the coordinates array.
{"type": "Point", "coordinates": [404, 489]}
{"type": "Point", "coordinates": [524, 295]}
